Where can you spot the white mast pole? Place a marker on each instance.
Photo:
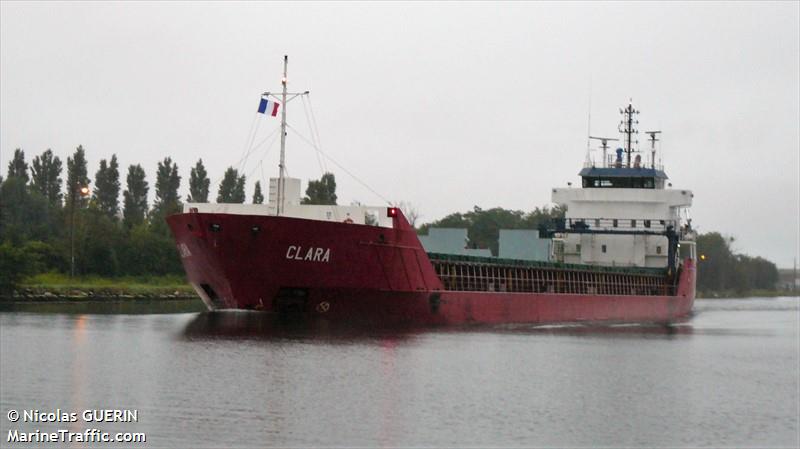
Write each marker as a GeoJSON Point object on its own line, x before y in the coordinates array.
{"type": "Point", "coordinates": [283, 140]}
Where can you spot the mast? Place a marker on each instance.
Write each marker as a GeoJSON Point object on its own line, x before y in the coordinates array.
{"type": "Point", "coordinates": [284, 98]}
{"type": "Point", "coordinates": [626, 127]}
{"type": "Point", "coordinates": [653, 141]}
{"type": "Point", "coordinates": [282, 165]}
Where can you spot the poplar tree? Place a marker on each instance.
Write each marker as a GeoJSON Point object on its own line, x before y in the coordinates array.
{"type": "Point", "coordinates": [106, 188]}
{"type": "Point", "coordinates": [135, 197]}
{"type": "Point", "coordinates": [23, 211]}
{"type": "Point", "coordinates": [18, 168]}
{"type": "Point", "coordinates": [322, 191]}
{"type": "Point", "coordinates": [167, 183]}
{"type": "Point", "coordinates": [231, 189]}
{"type": "Point", "coordinates": [258, 197]}
{"type": "Point", "coordinates": [77, 177]}
{"type": "Point", "coordinates": [46, 177]}
{"type": "Point", "coordinates": [198, 184]}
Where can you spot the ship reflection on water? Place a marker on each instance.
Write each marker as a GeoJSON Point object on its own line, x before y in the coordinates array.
{"type": "Point", "coordinates": [266, 326]}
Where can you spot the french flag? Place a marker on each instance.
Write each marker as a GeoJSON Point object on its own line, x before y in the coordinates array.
{"type": "Point", "coordinates": [267, 106]}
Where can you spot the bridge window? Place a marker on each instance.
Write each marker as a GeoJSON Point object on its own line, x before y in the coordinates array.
{"type": "Point", "coordinates": [604, 248]}
{"type": "Point", "coordinates": [658, 249]}
{"type": "Point", "coordinates": [633, 223]}
{"type": "Point", "coordinates": [615, 222]}
{"type": "Point", "coordinates": [637, 182]}
{"type": "Point", "coordinates": [647, 223]}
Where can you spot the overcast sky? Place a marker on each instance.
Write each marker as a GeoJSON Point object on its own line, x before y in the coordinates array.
{"type": "Point", "coordinates": [444, 105]}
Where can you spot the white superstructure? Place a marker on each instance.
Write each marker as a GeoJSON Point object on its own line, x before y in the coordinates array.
{"type": "Point", "coordinates": [623, 214]}
{"type": "Point", "coordinates": [292, 207]}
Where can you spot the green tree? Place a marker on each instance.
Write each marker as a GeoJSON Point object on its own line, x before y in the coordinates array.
{"type": "Point", "coordinates": [231, 189]}
{"type": "Point", "coordinates": [754, 273]}
{"type": "Point", "coordinates": [454, 220]}
{"type": "Point", "coordinates": [167, 183]}
{"type": "Point", "coordinates": [322, 191]}
{"type": "Point", "coordinates": [145, 252]}
{"type": "Point", "coordinates": [13, 267]}
{"type": "Point", "coordinates": [715, 271]}
{"type": "Point", "coordinates": [98, 239]}
{"type": "Point", "coordinates": [258, 197]}
{"type": "Point", "coordinates": [24, 213]}
{"type": "Point", "coordinates": [44, 256]}
{"type": "Point", "coordinates": [77, 178]}
{"type": "Point", "coordinates": [135, 197]}
{"type": "Point", "coordinates": [18, 168]}
{"type": "Point", "coordinates": [46, 177]}
{"type": "Point", "coordinates": [106, 188]}
{"type": "Point", "coordinates": [198, 184]}
{"type": "Point", "coordinates": [483, 226]}
{"type": "Point", "coordinates": [542, 216]}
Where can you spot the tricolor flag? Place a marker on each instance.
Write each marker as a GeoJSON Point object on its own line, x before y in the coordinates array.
{"type": "Point", "coordinates": [268, 107]}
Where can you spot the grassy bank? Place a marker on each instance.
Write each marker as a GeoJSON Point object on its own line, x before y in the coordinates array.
{"type": "Point", "coordinates": [731, 294]}
{"type": "Point", "coordinates": [53, 286]}
{"type": "Point", "coordinates": [58, 286]}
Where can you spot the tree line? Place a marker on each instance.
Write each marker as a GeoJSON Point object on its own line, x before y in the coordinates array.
{"type": "Point", "coordinates": [42, 217]}
{"type": "Point", "coordinates": [44, 221]}
{"type": "Point", "coordinates": [721, 270]}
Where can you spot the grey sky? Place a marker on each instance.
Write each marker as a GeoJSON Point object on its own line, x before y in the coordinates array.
{"type": "Point", "coordinates": [444, 105]}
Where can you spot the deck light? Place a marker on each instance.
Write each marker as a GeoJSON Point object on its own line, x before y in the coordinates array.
{"type": "Point", "coordinates": [391, 212]}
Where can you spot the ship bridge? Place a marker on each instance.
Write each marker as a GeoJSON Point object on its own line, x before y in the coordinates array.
{"type": "Point", "coordinates": [623, 177]}
{"type": "Point", "coordinates": [624, 210]}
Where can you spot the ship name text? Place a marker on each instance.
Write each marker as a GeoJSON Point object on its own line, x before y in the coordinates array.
{"type": "Point", "coordinates": [312, 254]}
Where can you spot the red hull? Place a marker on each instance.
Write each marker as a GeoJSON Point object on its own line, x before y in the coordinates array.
{"type": "Point", "coordinates": [348, 272]}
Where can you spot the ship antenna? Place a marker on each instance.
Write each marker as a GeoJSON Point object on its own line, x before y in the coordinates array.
{"type": "Point", "coordinates": [626, 127]}
{"type": "Point", "coordinates": [282, 165]}
{"type": "Point", "coordinates": [604, 145]}
{"type": "Point", "coordinates": [653, 141]}
{"type": "Point", "coordinates": [589, 126]}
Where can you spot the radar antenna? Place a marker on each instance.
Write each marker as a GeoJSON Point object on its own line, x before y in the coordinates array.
{"type": "Point", "coordinates": [604, 145]}
{"type": "Point", "coordinates": [626, 126]}
{"type": "Point", "coordinates": [653, 141]}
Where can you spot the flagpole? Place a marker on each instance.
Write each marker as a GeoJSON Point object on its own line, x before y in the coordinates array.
{"type": "Point", "coordinates": [283, 140]}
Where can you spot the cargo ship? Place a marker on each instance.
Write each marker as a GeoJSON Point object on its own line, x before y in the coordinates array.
{"type": "Point", "coordinates": [623, 253]}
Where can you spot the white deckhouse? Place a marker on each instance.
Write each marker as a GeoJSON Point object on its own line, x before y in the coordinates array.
{"type": "Point", "coordinates": [623, 214]}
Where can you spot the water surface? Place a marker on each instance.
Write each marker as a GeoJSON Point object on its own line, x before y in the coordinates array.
{"type": "Point", "coordinates": [727, 377]}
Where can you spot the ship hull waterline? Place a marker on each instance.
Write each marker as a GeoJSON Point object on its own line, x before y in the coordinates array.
{"type": "Point", "coordinates": [343, 272]}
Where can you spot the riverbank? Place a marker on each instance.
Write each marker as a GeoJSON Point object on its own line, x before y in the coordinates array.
{"type": "Point", "coordinates": [60, 287]}
{"type": "Point", "coordinates": [730, 294]}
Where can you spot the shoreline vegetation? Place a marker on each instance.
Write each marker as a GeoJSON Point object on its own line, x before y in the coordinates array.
{"type": "Point", "coordinates": [60, 287]}
{"type": "Point", "coordinates": [57, 287]}
{"type": "Point", "coordinates": [749, 294]}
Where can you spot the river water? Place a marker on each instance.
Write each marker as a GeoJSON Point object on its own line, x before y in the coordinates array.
{"type": "Point", "coordinates": [726, 378]}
